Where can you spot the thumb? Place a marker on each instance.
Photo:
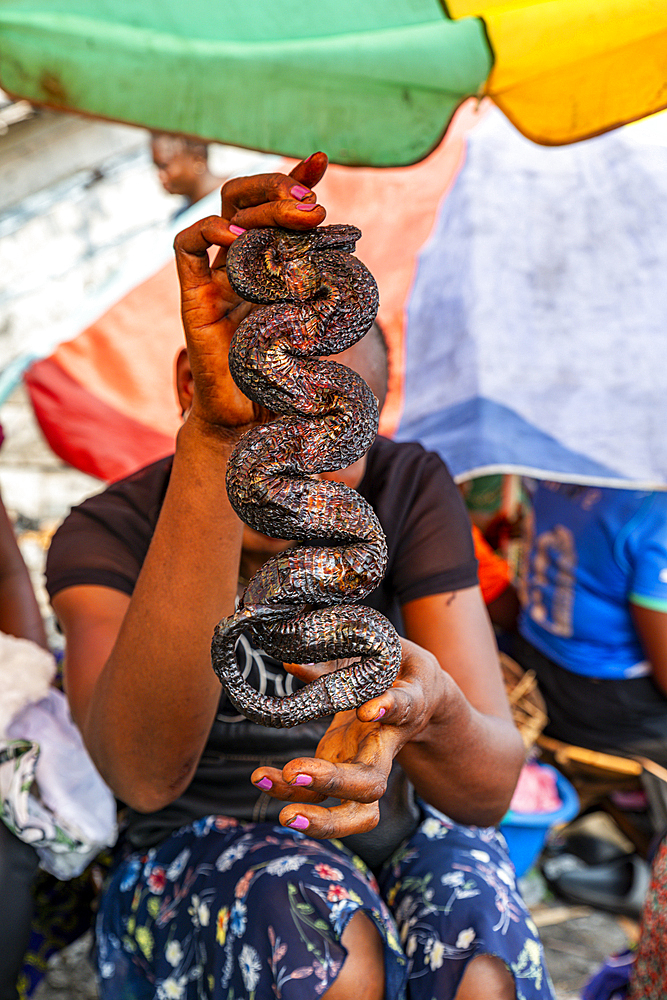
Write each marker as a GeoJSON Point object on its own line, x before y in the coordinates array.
{"type": "Point", "coordinates": [308, 672]}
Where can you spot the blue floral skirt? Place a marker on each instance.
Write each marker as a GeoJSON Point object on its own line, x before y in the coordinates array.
{"type": "Point", "coordinates": [229, 910]}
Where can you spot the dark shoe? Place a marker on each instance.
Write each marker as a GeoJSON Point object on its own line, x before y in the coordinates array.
{"type": "Point", "coordinates": [617, 886]}
{"type": "Point", "coordinates": [588, 848]}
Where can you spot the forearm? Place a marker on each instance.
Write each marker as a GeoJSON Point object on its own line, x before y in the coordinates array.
{"type": "Point", "coordinates": [152, 706]}
{"type": "Point", "coordinates": [466, 759]}
{"type": "Point", "coordinates": [19, 612]}
{"type": "Point", "coordinates": [651, 628]}
{"type": "Point", "coordinates": [464, 763]}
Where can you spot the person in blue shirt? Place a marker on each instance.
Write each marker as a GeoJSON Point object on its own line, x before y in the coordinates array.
{"type": "Point", "coordinates": [593, 624]}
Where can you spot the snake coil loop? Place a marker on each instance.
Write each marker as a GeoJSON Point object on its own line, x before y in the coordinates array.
{"type": "Point", "coordinates": [319, 300]}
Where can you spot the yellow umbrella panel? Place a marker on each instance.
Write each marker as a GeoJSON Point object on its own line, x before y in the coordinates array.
{"type": "Point", "coordinates": [565, 70]}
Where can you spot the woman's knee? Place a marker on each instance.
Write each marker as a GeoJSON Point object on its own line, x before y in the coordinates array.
{"type": "Point", "coordinates": [486, 976]}
{"type": "Point", "coordinates": [362, 976]}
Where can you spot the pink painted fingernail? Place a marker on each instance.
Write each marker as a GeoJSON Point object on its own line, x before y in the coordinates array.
{"type": "Point", "coordinates": [302, 779]}
{"type": "Point", "coordinates": [307, 206]}
{"type": "Point", "coordinates": [299, 823]}
{"type": "Point", "coordinates": [379, 715]}
{"type": "Point", "coordinates": [299, 191]}
{"type": "Point", "coordinates": [264, 784]}
{"type": "Point", "coordinates": [236, 230]}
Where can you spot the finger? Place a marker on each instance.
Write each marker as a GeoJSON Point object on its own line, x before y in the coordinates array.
{"type": "Point", "coordinates": [271, 781]}
{"type": "Point", "coordinates": [395, 707]}
{"type": "Point", "coordinates": [334, 822]}
{"type": "Point", "coordinates": [311, 779]}
{"type": "Point", "coordinates": [247, 192]}
{"type": "Point", "coordinates": [191, 247]}
{"type": "Point", "coordinates": [362, 781]}
{"type": "Point", "coordinates": [288, 213]}
{"type": "Point", "coordinates": [404, 708]}
{"type": "Point", "coordinates": [406, 701]}
{"type": "Point", "coordinates": [311, 170]}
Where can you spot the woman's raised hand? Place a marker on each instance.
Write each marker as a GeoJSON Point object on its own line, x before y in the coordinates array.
{"type": "Point", "coordinates": [210, 309]}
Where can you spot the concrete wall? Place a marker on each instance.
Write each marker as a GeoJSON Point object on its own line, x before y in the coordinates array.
{"type": "Point", "coordinates": [77, 197]}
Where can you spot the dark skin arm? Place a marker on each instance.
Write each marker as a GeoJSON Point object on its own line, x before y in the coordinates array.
{"type": "Point", "coordinates": [652, 629]}
{"type": "Point", "coordinates": [19, 612]}
{"type": "Point", "coordinates": [471, 753]}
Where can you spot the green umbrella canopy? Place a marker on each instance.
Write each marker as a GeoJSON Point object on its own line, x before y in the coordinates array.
{"type": "Point", "coordinates": [372, 82]}
{"type": "Point", "coordinates": [368, 81]}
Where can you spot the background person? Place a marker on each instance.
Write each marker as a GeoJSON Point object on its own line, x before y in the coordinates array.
{"type": "Point", "coordinates": [593, 624]}
{"type": "Point", "coordinates": [183, 167]}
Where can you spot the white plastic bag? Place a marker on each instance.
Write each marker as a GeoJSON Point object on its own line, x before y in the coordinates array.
{"type": "Point", "coordinates": [51, 795]}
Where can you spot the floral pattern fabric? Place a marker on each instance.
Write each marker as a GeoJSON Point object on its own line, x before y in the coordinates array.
{"type": "Point", "coordinates": [649, 978]}
{"type": "Point", "coordinates": [640, 973]}
{"type": "Point", "coordinates": [228, 910]}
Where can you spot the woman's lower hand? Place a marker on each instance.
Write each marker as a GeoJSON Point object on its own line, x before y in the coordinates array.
{"type": "Point", "coordinates": [356, 754]}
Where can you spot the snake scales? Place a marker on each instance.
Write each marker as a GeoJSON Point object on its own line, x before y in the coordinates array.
{"type": "Point", "coordinates": [318, 300]}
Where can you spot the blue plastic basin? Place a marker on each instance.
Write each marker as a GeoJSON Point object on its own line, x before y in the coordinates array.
{"type": "Point", "coordinates": [525, 833]}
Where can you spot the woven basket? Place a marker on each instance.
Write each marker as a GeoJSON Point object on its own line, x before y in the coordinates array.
{"type": "Point", "coordinates": [526, 702]}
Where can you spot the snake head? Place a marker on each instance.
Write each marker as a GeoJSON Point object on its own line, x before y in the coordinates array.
{"type": "Point", "coordinates": [341, 238]}
{"type": "Point", "coordinates": [275, 265]}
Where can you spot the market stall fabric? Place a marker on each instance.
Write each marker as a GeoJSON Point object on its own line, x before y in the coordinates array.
{"type": "Point", "coordinates": [523, 296]}
{"type": "Point", "coordinates": [539, 302]}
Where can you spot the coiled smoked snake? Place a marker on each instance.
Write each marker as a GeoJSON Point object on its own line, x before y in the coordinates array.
{"type": "Point", "coordinates": [318, 300]}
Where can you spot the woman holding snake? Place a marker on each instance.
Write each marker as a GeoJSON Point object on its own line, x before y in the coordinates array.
{"type": "Point", "coordinates": [232, 877]}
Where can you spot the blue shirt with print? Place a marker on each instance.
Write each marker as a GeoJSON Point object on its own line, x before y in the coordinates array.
{"type": "Point", "coordinates": [593, 551]}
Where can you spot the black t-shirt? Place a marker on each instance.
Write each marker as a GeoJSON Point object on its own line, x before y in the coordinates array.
{"type": "Point", "coordinates": [104, 542]}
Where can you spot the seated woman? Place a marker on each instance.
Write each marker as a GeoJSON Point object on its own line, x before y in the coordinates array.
{"type": "Point", "coordinates": [593, 624]}
{"type": "Point", "coordinates": [253, 863]}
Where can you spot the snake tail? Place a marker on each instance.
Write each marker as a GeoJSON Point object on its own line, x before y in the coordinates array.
{"type": "Point", "coordinates": [329, 633]}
